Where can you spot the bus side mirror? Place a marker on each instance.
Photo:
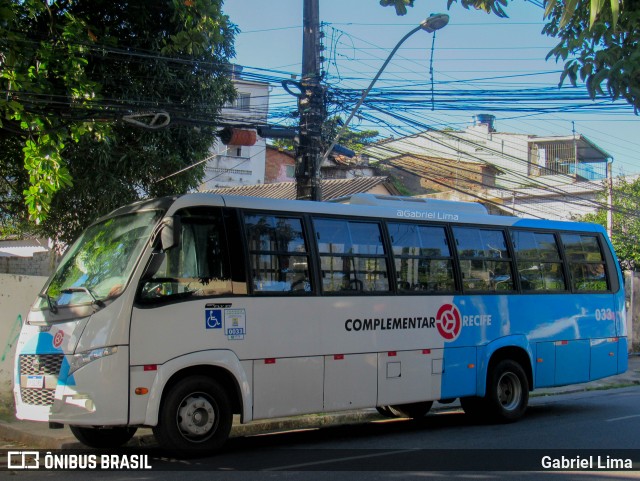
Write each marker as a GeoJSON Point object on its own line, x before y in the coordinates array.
{"type": "Point", "coordinates": [170, 234]}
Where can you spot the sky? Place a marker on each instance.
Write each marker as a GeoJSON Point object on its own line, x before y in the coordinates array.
{"type": "Point", "coordinates": [477, 59]}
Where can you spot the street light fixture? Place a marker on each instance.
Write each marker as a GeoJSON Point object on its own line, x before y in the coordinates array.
{"type": "Point", "coordinates": [434, 22]}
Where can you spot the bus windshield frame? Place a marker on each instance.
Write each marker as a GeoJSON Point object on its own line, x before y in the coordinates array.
{"type": "Point", "coordinates": [99, 265]}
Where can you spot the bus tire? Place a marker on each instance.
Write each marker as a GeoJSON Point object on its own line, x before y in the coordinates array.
{"type": "Point", "coordinates": [411, 410]}
{"type": "Point", "coordinates": [195, 417]}
{"type": "Point", "coordinates": [507, 392]}
{"type": "Point", "coordinates": [104, 438]}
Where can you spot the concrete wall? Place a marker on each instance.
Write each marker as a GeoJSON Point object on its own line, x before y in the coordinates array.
{"type": "Point", "coordinates": [41, 264]}
{"type": "Point", "coordinates": [632, 291]}
{"type": "Point", "coordinates": [17, 293]}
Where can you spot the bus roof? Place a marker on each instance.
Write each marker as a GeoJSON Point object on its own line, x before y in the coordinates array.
{"type": "Point", "coordinates": [377, 206]}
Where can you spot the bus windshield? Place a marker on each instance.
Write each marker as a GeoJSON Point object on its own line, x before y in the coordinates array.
{"type": "Point", "coordinates": [99, 264]}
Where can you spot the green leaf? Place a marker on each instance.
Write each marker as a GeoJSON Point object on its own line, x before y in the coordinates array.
{"type": "Point", "coordinates": [615, 13]}
{"type": "Point", "coordinates": [595, 9]}
{"type": "Point", "coordinates": [569, 9]}
{"type": "Point", "coordinates": [549, 6]}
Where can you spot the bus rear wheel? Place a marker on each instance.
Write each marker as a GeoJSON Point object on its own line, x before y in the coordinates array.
{"type": "Point", "coordinates": [412, 410]}
{"type": "Point", "coordinates": [104, 438]}
{"type": "Point", "coordinates": [507, 391]}
{"type": "Point", "coordinates": [195, 417]}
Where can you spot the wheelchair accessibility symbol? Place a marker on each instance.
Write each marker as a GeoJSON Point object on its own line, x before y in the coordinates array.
{"type": "Point", "coordinates": [213, 318]}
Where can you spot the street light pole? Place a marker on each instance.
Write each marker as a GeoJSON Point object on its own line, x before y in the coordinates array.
{"type": "Point", "coordinates": [434, 22]}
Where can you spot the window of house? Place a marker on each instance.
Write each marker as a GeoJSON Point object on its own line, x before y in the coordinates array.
{"type": "Point", "coordinates": [241, 102]}
{"type": "Point", "coordinates": [290, 171]}
{"type": "Point", "coordinates": [234, 151]}
{"type": "Point", "coordinates": [422, 258]}
{"type": "Point", "coordinates": [485, 263]}
{"type": "Point", "coordinates": [352, 256]}
{"type": "Point", "coordinates": [538, 261]}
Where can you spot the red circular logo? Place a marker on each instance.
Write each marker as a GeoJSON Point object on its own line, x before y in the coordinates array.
{"type": "Point", "coordinates": [448, 322]}
{"type": "Point", "coordinates": [58, 338]}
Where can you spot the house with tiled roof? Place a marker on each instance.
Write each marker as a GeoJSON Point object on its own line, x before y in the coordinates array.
{"type": "Point", "coordinates": [280, 166]}
{"type": "Point", "coordinates": [554, 177]}
{"type": "Point", "coordinates": [331, 188]}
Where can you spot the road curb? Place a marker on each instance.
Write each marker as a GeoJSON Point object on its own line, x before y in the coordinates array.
{"type": "Point", "coordinates": [39, 436]}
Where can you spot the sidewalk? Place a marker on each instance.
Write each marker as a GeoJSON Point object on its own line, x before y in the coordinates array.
{"type": "Point", "coordinates": [39, 436]}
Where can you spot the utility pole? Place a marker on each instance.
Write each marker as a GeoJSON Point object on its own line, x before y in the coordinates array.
{"type": "Point", "coordinates": [311, 108]}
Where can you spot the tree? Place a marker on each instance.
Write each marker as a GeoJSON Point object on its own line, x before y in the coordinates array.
{"type": "Point", "coordinates": [626, 220]}
{"type": "Point", "coordinates": [71, 71]}
{"type": "Point", "coordinates": [355, 140]}
{"type": "Point", "coordinates": [597, 41]}
{"type": "Point", "coordinates": [352, 139]}
{"type": "Point", "coordinates": [600, 51]}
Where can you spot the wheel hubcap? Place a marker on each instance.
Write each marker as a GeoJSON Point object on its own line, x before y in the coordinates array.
{"type": "Point", "coordinates": [196, 416]}
{"type": "Point", "coordinates": [509, 391]}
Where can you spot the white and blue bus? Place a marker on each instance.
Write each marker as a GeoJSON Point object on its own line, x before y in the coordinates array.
{"type": "Point", "coordinates": [179, 312]}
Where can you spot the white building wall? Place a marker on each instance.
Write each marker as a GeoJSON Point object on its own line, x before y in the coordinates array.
{"type": "Point", "coordinates": [233, 165]}
{"type": "Point", "coordinates": [506, 151]}
{"type": "Point", "coordinates": [554, 208]}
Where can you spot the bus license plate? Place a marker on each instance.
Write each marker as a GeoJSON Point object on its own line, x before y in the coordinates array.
{"type": "Point", "coordinates": [35, 382]}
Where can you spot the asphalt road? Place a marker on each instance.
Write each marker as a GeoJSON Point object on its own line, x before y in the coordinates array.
{"type": "Point", "coordinates": [579, 426]}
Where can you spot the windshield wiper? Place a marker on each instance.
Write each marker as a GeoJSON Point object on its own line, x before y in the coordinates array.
{"type": "Point", "coordinates": [86, 290]}
{"type": "Point", "coordinates": [52, 304]}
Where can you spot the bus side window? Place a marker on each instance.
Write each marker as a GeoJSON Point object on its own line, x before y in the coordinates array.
{"type": "Point", "coordinates": [352, 256]}
{"type": "Point", "coordinates": [538, 261]}
{"type": "Point", "coordinates": [586, 263]}
{"type": "Point", "coordinates": [278, 254]}
{"type": "Point", "coordinates": [485, 263]}
{"type": "Point", "coordinates": [198, 265]}
{"type": "Point", "coordinates": [422, 258]}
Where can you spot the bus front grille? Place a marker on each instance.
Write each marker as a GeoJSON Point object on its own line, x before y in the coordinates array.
{"type": "Point", "coordinates": [42, 364]}
{"type": "Point", "coordinates": [37, 397]}
{"type": "Point", "coordinates": [45, 368]}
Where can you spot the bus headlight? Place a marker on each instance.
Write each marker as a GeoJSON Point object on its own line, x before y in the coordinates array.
{"type": "Point", "coordinates": [84, 358]}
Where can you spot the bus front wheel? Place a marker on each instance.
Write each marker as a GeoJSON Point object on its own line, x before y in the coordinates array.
{"type": "Point", "coordinates": [507, 391]}
{"type": "Point", "coordinates": [104, 438]}
{"type": "Point", "coordinates": [195, 417]}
